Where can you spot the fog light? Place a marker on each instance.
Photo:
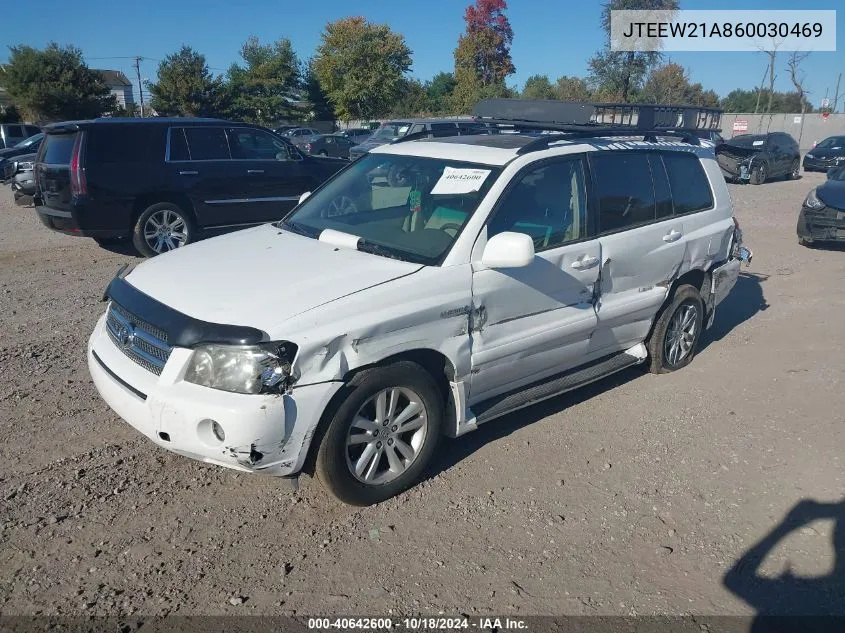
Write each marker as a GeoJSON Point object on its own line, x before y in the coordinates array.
{"type": "Point", "coordinates": [218, 431]}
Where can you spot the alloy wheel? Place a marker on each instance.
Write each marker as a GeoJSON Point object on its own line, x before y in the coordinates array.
{"type": "Point", "coordinates": [386, 435]}
{"type": "Point", "coordinates": [680, 336]}
{"type": "Point", "coordinates": [165, 230]}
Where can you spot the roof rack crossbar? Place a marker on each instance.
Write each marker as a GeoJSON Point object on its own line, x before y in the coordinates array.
{"type": "Point", "coordinates": [544, 141]}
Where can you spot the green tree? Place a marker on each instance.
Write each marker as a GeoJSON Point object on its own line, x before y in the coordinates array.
{"type": "Point", "coordinates": [264, 89]}
{"type": "Point", "coordinates": [54, 84]}
{"type": "Point", "coordinates": [572, 89]}
{"type": "Point", "coordinates": [321, 107]}
{"type": "Point", "coordinates": [482, 58]}
{"type": "Point", "coordinates": [439, 90]}
{"type": "Point", "coordinates": [741, 100]}
{"type": "Point", "coordinates": [185, 86]}
{"type": "Point", "coordinates": [620, 74]}
{"type": "Point", "coordinates": [361, 66]}
{"type": "Point", "coordinates": [538, 87]}
{"type": "Point", "coordinates": [413, 101]}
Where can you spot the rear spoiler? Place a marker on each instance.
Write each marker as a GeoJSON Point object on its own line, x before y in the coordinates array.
{"type": "Point", "coordinates": [62, 128]}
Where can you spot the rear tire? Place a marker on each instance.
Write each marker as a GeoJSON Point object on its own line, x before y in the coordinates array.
{"type": "Point", "coordinates": [162, 227]}
{"type": "Point", "coordinates": [398, 458]}
{"type": "Point", "coordinates": [674, 338]}
{"type": "Point", "coordinates": [794, 171]}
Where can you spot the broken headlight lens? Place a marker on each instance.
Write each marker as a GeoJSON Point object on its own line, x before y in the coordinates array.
{"type": "Point", "coordinates": [812, 201]}
{"type": "Point", "coordinates": [241, 369]}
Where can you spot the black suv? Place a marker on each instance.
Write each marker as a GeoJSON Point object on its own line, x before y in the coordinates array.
{"type": "Point", "coordinates": [162, 181]}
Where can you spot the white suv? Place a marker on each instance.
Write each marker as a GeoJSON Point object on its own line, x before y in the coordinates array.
{"type": "Point", "coordinates": [497, 271]}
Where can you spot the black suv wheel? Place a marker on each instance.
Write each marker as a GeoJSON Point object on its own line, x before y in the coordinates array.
{"type": "Point", "coordinates": [162, 227]}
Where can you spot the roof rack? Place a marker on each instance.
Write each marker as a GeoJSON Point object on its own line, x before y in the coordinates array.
{"type": "Point", "coordinates": [574, 119]}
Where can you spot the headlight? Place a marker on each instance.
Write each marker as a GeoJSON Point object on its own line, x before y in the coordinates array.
{"type": "Point", "coordinates": [809, 156]}
{"type": "Point", "coordinates": [241, 368]}
{"type": "Point", "coordinates": [812, 201]}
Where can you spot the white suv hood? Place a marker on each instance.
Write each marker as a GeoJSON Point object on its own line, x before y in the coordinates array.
{"type": "Point", "coordinates": [260, 277]}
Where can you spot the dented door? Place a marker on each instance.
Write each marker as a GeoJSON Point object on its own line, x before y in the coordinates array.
{"type": "Point", "coordinates": [535, 321]}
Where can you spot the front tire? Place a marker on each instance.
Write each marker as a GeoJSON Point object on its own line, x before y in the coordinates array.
{"type": "Point", "coordinates": [758, 175]}
{"type": "Point", "coordinates": [794, 171]}
{"type": "Point", "coordinates": [162, 227]}
{"type": "Point", "coordinates": [382, 435]}
{"type": "Point", "coordinates": [674, 338]}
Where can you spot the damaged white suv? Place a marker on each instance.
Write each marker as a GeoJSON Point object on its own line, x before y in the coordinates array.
{"type": "Point", "coordinates": [429, 287]}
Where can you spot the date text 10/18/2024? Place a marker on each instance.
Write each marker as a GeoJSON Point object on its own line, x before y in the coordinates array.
{"type": "Point", "coordinates": [419, 623]}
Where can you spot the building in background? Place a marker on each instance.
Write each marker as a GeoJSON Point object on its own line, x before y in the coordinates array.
{"type": "Point", "coordinates": [119, 86]}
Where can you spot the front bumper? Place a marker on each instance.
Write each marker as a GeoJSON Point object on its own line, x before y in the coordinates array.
{"type": "Point", "coordinates": [267, 434]}
{"type": "Point", "coordinates": [821, 164]}
{"type": "Point", "coordinates": [825, 225]}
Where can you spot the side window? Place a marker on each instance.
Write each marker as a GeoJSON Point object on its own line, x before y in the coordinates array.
{"type": "Point", "coordinates": [31, 130]}
{"type": "Point", "coordinates": [625, 192]}
{"type": "Point", "coordinates": [124, 143]}
{"type": "Point", "coordinates": [443, 129]}
{"type": "Point", "coordinates": [251, 144]}
{"type": "Point", "coordinates": [207, 143]}
{"type": "Point", "coordinates": [418, 127]}
{"type": "Point", "coordinates": [688, 182]}
{"type": "Point", "coordinates": [662, 193]}
{"type": "Point", "coordinates": [548, 203]}
{"type": "Point", "coordinates": [178, 145]}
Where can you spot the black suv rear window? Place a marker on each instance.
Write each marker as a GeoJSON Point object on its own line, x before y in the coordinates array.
{"type": "Point", "coordinates": [690, 189]}
{"type": "Point", "coordinates": [123, 143]}
{"type": "Point", "coordinates": [207, 143]}
{"type": "Point", "coordinates": [58, 148]}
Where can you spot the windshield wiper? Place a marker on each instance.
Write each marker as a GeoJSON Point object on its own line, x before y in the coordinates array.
{"type": "Point", "coordinates": [296, 227]}
{"type": "Point", "coordinates": [392, 253]}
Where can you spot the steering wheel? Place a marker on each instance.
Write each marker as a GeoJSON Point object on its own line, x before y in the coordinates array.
{"type": "Point", "coordinates": [339, 206]}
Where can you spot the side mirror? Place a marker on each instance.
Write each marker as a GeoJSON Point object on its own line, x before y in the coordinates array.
{"type": "Point", "coordinates": [508, 250]}
{"type": "Point", "coordinates": [303, 196]}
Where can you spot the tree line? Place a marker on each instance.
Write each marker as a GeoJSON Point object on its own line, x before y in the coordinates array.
{"type": "Point", "coordinates": [359, 71]}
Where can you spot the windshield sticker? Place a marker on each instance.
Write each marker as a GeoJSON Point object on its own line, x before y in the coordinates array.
{"type": "Point", "coordinates": [756, 143]}
{"type": "Point", "coordinates": [455, 180]}
{"type": "Point", "coordinates": [415, 200]}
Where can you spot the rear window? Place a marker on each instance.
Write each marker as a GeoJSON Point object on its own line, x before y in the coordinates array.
{"type": "Point", "coordinates": [625, 191]}
{"type": "Point", "coordinates": [58, 148]}
{"type": "Point", "coordinates": [688, 182]}
{"type": "Point", "coordinates": [31, 130]}
{"type": "Point", "coordinates": [15, 131]}
{"type": "Point", "coordinates": [123, 144]}
{"type": "Point", "coordinates": [207, 143]}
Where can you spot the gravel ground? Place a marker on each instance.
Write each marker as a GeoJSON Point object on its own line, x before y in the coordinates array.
{"type": "Point", "coordinates": [633, 496]}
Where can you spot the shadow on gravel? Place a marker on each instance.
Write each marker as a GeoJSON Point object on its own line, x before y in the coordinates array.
{"type": "Point", "coordinates": [742, 303]}
{"type": "Point", "coordinates": [788, 594]}
{"type": "Point", "coordinates": [452, 452]}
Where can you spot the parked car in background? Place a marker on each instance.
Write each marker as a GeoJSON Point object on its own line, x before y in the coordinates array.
{"type": "Point", "coordinates": [329, 145]}
{"type": "Point", "coordinates": [300, 135]}
{"type": "Point", "coordinates": [162, 181]}
{"type": "Point", "coordinates": [23, 179]}
{"type": "Point", "coordinates": [822, 216]}
{"type": "Point", "coordinates": [8, 155]}
{"type": "Point", "coordinates": [284, 128]}
{"type": "Point", "coordinates": [356, 134]}
{"type": "Point", "coordinates": [13, 133]}
{"type": "Point", "coordinates": [826, 154]}
{"type": "Point", "coordinates": [756, 158]}
{"type": "Point", "coordinates": [393, 130]}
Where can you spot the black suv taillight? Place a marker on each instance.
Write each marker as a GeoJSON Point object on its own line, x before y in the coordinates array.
{"type": "Point", "coordinates": [78, 182]}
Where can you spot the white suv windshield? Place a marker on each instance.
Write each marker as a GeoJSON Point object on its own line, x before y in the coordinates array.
{"type": "Point", "coordinates": [405, 207]}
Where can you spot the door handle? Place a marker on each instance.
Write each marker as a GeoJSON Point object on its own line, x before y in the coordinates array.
{"type": "Point", "coordinates": [188, 173]}
{"type": "Point", "coordinates": [255, 171]}
{"type": "Point", "coordinates": [587, 261]}
{"type": "Point", "coordinates": [672, 236]}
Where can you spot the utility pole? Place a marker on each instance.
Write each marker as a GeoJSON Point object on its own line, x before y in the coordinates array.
{"type": "Point", "coordinates": [836, 94]}
{"type": "Point", "coordinates": [140, 86]}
